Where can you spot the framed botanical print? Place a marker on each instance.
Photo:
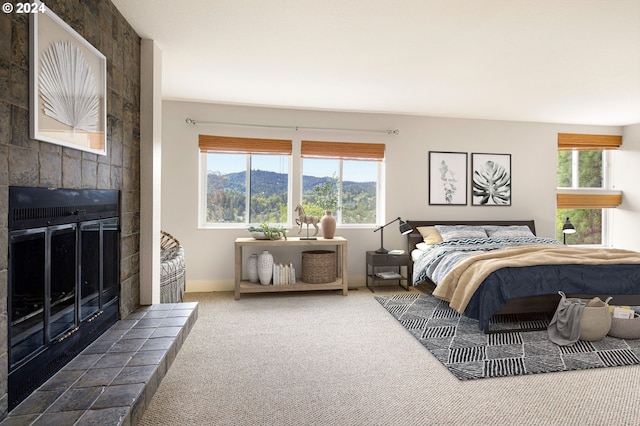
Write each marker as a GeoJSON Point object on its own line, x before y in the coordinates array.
{"type": "Point", "coordinates": [490, 179]}
{"type": "Point", "coordinates": [447, 178]}
{"type": "Point", "coordinates": [68, 87]}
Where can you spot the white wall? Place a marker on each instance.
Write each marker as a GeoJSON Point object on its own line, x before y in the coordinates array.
{"type": "Point", "coordinates": [209, 253]}
{"type": "Point", "coordinates": [626, 217]}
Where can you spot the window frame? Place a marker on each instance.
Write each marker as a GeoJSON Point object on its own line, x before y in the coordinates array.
{"type": "Point", "coordinates": [576, 197]}
{"type": "Point", "coordinates": [340, 173]}
{"type": "Point", "coordinates": [351, 151]}
{"type": "Point", "coordinates": [338, 150]}
{"type": "Point", "coordinates": [211, 144]}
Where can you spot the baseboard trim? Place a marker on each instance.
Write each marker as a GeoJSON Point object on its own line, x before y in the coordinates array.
{"type": "Point", "coordinates": [205, 286]}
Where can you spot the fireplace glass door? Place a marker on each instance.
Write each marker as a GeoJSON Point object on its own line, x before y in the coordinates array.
{"type": "Point", "coordinates": [89, 269]}
{"type": "Point", "coordinates": [62, 316]}
{"type": "Point", "coordinates": [98, 239]}
{"type": "Point", "coordinates": [110, 260]}
{"type": "Point", "coordinates": [42, 304]}
{"type": "Point", "coordinates": [27, 262]}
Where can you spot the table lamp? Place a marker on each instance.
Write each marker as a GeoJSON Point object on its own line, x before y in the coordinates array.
{"type": "Point", "coordinates": [404, 230]}
{"type": "Point", "coordinates": [567, 228]}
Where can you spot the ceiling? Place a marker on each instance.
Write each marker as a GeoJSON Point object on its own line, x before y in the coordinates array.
{"type": "Point", "coordinates": [569, 61]}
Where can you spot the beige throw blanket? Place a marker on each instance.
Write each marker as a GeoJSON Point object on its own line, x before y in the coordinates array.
{"type": "Point", "coordinates": [461, 282]}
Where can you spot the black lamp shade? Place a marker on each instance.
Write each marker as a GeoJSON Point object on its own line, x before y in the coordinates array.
{"type": "Point", "coordinates": [568, 227]}
{"type": "Point", "coordinates": [405, 228]}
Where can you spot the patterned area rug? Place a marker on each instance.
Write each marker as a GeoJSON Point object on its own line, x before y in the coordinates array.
{"type": "Point", "coordinates": [469, 353]}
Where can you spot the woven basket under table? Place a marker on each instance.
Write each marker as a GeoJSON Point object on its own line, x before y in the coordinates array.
{"type": "Point", "coordinates": [318, 266]}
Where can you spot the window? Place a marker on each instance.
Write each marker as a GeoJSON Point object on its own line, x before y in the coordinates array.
{"type": "Point", "coordinates": [583, 189]}
{"type": "Point", "coordinates": [246, 180]}
{"type": "Point", "coordinates": [581, 169]}
{"type": "Point", "coordinates": [349, 173]}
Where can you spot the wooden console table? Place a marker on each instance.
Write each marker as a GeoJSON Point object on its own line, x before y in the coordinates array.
{"type": "Point", "coordinates": [245, 286]}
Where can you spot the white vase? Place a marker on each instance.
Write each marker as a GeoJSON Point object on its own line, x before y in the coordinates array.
{"type": "Point", "coordinates": [328, 224]}
{"type": "Point", "coordinates": [252, 268]}
{"type": "Point", "coordinates": [265, 267]}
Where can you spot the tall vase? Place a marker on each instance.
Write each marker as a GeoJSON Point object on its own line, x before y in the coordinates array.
{"type": "Point", "coordinates": [265, 267]}
{"type": "Point", "coordinates": [328, 224]}
{"type": "Point", "coordinates": [252, 268]}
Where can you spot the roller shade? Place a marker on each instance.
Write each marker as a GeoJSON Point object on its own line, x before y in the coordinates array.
{"type": "Point", "coordinates": [343, 150]}
{"type": "Point", "coordinates": [588, 142]}
{"type": "Point", "coordinates": [588, 201]}
{"type": "Point", "coordinates": [210, 143]}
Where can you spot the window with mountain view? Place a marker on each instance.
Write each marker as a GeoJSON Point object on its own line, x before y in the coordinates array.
{"type": "Point", "coordinates": [235, 196]}
{"type": "Point", "coordinates": [352, 184]}
{"type": "Point", "coordinates": [342, 176]}
{"type": "Point", "coordinates": [246, 181]}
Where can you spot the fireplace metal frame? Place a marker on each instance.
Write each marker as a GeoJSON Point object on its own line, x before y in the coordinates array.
{"type": "Point", "coordinates": [40, 213]}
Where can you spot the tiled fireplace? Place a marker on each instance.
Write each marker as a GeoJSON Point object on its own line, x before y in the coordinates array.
{"type": "Point", "coordinates": [25, 162]}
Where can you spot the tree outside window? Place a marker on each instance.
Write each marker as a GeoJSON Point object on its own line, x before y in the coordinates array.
{"type": "Point", "coordinates": [579, 170]}
{"type": "Point", "coordinates": [588, 223]}
{"type": "Point", "coordinates": [248, 180]}
{"type": "Point", "coordinates": [348, 188]}
{"type": "Point", "coordinates": [229, 176]}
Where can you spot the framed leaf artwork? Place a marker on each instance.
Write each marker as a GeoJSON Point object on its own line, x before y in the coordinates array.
{"type": "Point", "coordinates": [447, 178]}
{"type": "Point", "coordinates": [490, 179]}
{"type": "Point", "coordinates": [68, 85]}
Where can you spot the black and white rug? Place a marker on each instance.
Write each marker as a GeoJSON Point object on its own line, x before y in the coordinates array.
{"type": "Point", "coordinates": [469, 353]}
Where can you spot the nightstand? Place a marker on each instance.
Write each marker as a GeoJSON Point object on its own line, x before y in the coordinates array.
{"type": "Point", "coordinates": [392, 264]}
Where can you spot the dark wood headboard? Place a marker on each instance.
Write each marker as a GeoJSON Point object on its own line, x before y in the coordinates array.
{"type": "Point", "coordinates": [414, 237]}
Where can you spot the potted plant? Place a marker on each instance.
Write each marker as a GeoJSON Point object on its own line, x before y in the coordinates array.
{"type": "Point", "coordinates": [326, 196]}
{"type": "Point", "coordinates": [266, 232]}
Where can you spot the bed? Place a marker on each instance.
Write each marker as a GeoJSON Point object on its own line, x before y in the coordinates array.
{"type": "Point", "coordinates": [508, 270]}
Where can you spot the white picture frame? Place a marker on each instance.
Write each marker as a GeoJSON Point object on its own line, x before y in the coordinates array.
{"type": "Point", "coordinates": [68, 86]}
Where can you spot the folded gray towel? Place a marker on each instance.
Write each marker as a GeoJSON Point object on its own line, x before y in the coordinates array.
{"type": "Point", "coordinates": [564, 328]}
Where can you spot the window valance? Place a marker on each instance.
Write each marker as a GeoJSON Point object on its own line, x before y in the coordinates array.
{"type": "Point", "coordinates": [588, 199]}
{"type": "Point", "coordinates": [586, 142]}
{"type": "Point", "coordinates": [343, 150]}
{"type": "Point", "coordinates": [210, 143]}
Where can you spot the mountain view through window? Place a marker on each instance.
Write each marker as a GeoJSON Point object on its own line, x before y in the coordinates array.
{"type": "Point", "coordinates": [266, 201]}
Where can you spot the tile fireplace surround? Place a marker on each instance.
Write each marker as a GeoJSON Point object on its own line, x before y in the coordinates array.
{"type": "Point", "coordinates": [113, 380]}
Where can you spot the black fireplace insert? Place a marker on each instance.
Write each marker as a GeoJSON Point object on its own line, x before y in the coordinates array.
{"type": "Point", "coordinates": [64, 279]}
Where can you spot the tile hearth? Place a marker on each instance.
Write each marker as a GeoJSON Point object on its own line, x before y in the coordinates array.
{"type": "Point", "coordinates": [113, 380]}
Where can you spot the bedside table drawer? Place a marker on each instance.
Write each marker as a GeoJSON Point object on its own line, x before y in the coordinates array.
{"type": "Point", "coordinates": [389, 259]}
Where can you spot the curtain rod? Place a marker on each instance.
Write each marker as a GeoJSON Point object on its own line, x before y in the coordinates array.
{"type": "Point", "coordinates": [193, 122]}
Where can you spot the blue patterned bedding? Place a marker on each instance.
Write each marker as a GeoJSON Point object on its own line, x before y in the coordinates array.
{"type": "Point", "coordinates": [440, 258]}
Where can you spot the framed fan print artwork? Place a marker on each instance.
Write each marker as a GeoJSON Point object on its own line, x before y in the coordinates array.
{"type": "Point", "coordinates": [68, 87]}
{"type": "Point", "coordinates": [491, 179]}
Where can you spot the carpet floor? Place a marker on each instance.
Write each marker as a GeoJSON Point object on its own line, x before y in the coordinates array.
{"type": "Point", "coordinates": [469, 353]}
{"type": "Point", "coordinates": [323, 359]}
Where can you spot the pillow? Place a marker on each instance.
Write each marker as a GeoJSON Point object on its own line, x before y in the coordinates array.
{"type": "Point", "coordinates": [509, 231]}
{"type": "Point", "coordinates": [416, 254]}
{"type": "Point", "coordinates": [430, 234]}
{"type": "Point", "coordinates": [457, 232]}
{"type": "Point", "coordinates": [423, 246]}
